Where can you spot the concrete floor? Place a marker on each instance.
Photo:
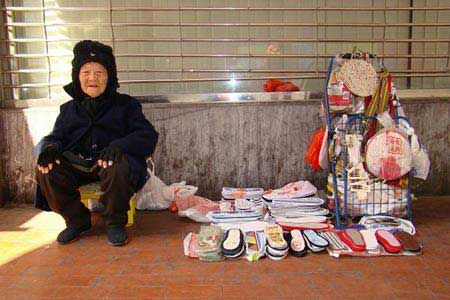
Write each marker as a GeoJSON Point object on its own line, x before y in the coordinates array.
{"type": "Point", "coordinates": [152, 265]}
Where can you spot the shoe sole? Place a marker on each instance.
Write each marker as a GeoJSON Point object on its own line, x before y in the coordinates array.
{"type": "Point", "coordinates": [119, 244]}
{"type": "Point", "coordinates": [75, 239]}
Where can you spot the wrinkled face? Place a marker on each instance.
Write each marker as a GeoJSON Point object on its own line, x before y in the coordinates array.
{"type": "Point", "coordinates": [93, 79]}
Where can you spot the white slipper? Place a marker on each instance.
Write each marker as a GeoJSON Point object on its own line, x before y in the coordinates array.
{"type": "Point", "coordinates": [232, 241]}
{"type": "Point", "coordinates": [315, 239]}
{"type": "Point", "coordinates": [297, 243]}
{"type": "Point", "coordinates": [370, 240]}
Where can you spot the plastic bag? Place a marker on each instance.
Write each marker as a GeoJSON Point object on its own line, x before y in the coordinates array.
{"type": "Point", "coordinates": [323, 154]}
{"type": "Point", "coordinates": [275, 85]}
{"type": "Point", "coordinates": [156, 195]}
{"type": "Point", "coordinates": [313, 152]}
{"type": "Point", "coordinates": [195, 207]}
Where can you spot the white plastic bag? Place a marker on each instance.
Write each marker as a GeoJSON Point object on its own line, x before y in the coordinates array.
{"type": "Point", "coordinates": [156, 195]}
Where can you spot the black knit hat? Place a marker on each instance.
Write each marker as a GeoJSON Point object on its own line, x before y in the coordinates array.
{"type": "Point", "coordinates": [93, 51]}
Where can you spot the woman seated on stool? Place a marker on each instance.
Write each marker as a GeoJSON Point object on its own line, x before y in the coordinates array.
{"type": "Point", "coordinates": [100, 135]}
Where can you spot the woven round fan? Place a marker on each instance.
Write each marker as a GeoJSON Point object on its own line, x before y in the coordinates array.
{"type": "Point", "coordinates": [360, 77]}
{"type": "Point", "coordinates": [388, 154]}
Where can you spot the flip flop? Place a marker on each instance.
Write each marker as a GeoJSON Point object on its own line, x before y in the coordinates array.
{"type": "Point", "coordinates": [390, 243]}
{"type": "Point", "coordinates": [408, 241]}
{"type": "Point", "coordinates": [233, 242]}
{"type": "Point", "coordinates": [370, 240]}
{"type": "Point", "coordinates": [353, 239]}
{"type": "Point", "coordinates": [312, 247]}
{"type": "Point", "coordinates": [298, 245]}
{"type": "Point", "coordinates": [315, 239]}
{"type": "Point", "coordinates": [335, 241]}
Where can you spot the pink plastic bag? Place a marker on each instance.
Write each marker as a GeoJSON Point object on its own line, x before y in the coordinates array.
{"type": "Point", "coordinates": [195, 207]}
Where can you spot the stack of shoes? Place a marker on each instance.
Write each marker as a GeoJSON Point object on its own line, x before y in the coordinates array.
{"type": "Point", "coordinates": [297, 243]}
{"type": "Point", "coordinates": [299, 189]}
{"type": "Point", "coordinates": [255, 242]}
{"type": "Point", "coordinates": [297, 207]}
{"type": "Point", "coordinates": [315, 242]}
{"type": "Point", "coordinates": [233, 245]}
{"type": "Point", "coordinates": [209, 243]}
{"type": "Point", "coordinates": [229, 193]}
{"type": "Point", "coordinates": [234, 216]}
{"type": "Point", "coordinates": [277, 248]}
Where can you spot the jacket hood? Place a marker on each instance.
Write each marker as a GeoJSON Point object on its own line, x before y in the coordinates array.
{"type": "Point", "coordinates": [92, 51]}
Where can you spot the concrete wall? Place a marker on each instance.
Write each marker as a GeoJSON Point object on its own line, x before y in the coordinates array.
{"type": "Point", "coordinates": [212, 145]}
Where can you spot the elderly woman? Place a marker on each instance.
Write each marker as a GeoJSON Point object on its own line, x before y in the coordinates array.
{"type": "Point", "coordinates": [100, 135]}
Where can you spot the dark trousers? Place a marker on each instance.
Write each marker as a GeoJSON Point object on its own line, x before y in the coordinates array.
{"type": "Point", "coordinates": [60, 188]}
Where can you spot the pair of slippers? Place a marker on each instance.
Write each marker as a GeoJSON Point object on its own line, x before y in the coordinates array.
{"type": "Point", "coordinates": [398, 241]}
{"type": "Point", "coordinates": [362, 240]}
{"type": "Point", "coordinates": [314, 241]}
{"type": "Point", "coordinates": [233, 245]}
{"type": "Point", "coordinates": [277, 247]}
{"type": "Point", "coordinates": [409, 242]}
{"type": "Point", "coordinates": [297, 243]}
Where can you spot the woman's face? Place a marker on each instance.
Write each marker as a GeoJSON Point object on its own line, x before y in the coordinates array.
{"type": "Point", "coordinates": [93, 79]}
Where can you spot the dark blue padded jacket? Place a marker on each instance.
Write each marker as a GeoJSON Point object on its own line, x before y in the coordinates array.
{"type": "Point", "coordinates": [119, 122]}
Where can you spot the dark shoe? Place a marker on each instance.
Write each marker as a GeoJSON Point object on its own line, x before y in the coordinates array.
{"type": "Point", "coordinates": [117, 235]}
{"type": "Point", "coordinates": [71, 234]}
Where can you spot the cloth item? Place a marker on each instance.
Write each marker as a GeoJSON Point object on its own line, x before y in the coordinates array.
{"type": "Point", "coordinates": [60, 187]}
{"type": "Point", "coordinates": [120, 122]}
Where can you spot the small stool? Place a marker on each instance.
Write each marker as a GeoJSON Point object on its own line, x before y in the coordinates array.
{"type": "Point", "coordinates": [92, 191]}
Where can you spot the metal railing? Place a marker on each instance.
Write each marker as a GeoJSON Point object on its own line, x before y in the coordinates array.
{"type": "Point", "coordinates": [10, 25]}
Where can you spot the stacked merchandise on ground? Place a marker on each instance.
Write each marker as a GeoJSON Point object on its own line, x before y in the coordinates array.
{"type": "Point", "coordinates": [253, 224]}
{"type": "Point", "coordinates": [374, 236]}
{"type": "Point", "coordinates": [372, 153]}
